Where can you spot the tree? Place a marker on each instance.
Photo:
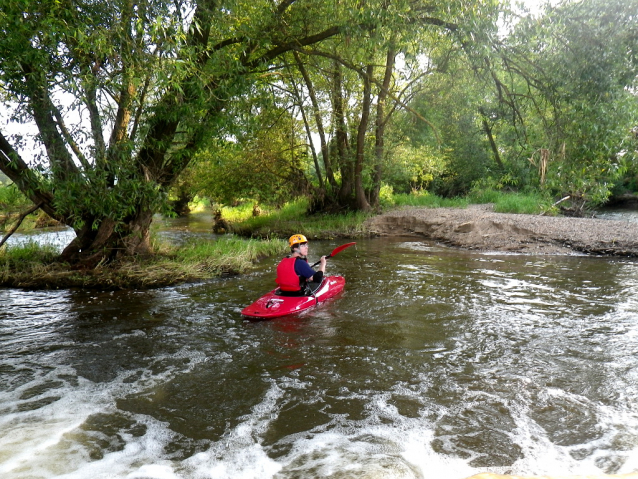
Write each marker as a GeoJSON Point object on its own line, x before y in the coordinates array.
{"type": "Point", "coordinates": [347, 91]}
{"type": "Point", "coordinates": [150, 80]}
{"type": "Point", "coordinates": [150, 84]}
{"type": "Point", "coordinates": [566, 91]}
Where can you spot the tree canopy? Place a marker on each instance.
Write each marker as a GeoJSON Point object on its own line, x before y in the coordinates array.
{"type": "Point", "coordinates": [272, 98]}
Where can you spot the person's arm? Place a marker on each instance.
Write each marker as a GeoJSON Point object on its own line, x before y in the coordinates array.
{"type": "Point", "coordinates": [302, 268]}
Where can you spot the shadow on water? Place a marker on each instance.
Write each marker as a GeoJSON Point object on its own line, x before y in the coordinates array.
{"type": "Point", "coordinates": [432, 363]}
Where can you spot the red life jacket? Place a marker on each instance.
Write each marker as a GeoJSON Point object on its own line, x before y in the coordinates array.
{"type": "Point", "coordinates": [287, 279]}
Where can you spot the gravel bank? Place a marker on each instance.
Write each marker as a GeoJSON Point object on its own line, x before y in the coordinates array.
{"type": "Point", "coordinates": [479, 228]}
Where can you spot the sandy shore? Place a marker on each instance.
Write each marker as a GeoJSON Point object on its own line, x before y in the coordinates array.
{"type": "Point", "coordinates": [479, 228]}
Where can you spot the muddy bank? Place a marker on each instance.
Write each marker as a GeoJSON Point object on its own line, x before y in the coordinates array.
{"type": "Point", "coordinates": [479, 228]}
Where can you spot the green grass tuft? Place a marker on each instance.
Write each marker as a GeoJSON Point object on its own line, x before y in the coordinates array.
{"type": "Point", "coordinates": [427, 200]}
{"type": "Point", "coordinates": [30, 252]}
{"type": "Point", "coordinates": [511, 202]}
{"type": "Point", "coordinates": [227, 255]}
{"type": "Point", "coordinates": [292, 218]}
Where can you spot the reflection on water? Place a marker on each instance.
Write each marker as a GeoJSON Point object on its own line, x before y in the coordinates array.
{"type": "Point", "coordinates": [434, 363]}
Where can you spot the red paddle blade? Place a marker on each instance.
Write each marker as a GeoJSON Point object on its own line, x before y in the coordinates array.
{"type": "Point", "coordinates": [341, 248]}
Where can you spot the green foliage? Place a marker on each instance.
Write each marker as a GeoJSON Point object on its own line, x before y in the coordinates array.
{"type": "Point", "coordinates": [450, 99]}
{"type": "Point", "coordinates": [414, 167]}
{"type": "Point", "coordinates": [576, 97]}
{"type": "Point", "coordinates": [11, 199]}
{"type": "Point", "coordinates": [266, 160]}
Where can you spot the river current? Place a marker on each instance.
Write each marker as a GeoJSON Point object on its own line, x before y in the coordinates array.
{"type": "Point", "coordinates": [433, 363]}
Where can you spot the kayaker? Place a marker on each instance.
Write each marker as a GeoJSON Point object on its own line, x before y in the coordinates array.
{"type": "Point", "coordinates": [294, 274]}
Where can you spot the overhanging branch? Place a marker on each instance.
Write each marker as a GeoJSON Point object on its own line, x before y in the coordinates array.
{"type": "Point", "coordinates": [19, 222]}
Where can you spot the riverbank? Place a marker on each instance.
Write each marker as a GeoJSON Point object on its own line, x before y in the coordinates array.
{"type": "Point", "coordinates": [33, 267]}
{"type": "Point", "coordinates": [475, 228]}
{"type": "Point", "coordinates": [479, 228]}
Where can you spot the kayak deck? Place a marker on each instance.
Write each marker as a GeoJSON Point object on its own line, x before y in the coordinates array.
{"type": "Point", "coordinates": [272, 305]}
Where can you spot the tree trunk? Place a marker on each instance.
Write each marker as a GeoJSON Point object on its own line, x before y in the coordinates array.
{"type": "Point", "coordinates": [360, 195]}
{"type": "Point", "coordinates": [490, 137]}
{"type": "Point", "coordinates": [379, 142]}
{"type": "Point", "coordinates": [318, 122]}
{"type": "Point", "coordinates": [346, 165]}
{"type": "Point", "coordinates": [93, 247]}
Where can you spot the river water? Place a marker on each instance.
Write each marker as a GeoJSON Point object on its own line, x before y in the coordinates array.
{"type": "Point", "coordinates": [433, 363]}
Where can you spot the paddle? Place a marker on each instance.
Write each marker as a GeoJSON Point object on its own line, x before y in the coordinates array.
{"type": "Point", "coordinates": [335, 251]}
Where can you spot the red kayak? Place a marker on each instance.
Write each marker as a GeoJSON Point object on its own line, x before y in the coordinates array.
{"type": "Point", "coordinates": [273, 304]}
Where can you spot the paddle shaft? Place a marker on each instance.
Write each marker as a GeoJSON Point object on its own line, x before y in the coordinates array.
{"type": "Point", "coordinates": [335, 252]}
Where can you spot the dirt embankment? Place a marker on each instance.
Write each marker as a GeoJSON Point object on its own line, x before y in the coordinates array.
{"type": "Point", "coordinates": [479, 228]}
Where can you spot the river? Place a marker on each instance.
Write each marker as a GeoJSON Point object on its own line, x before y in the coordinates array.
{"type": "Point", "coordinates": [434, 363]}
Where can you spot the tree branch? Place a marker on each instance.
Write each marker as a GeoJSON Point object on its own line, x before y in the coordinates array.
{"type": "Point", "coordinates": [283, 6]}
{"type": "Point", "coordinates": [19, 222]}
{"type": "Point", "coordinates": [69, 139]}
{"type": "Point", "coordinates": [42, 108]}
{"type": "Point", "coordinates": [18, 171]}
{"type": "Point", "coordinates": [380, 85]}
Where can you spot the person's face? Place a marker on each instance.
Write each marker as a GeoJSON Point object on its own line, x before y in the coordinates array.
{"type": "Point", "coordinates": [303, 249]}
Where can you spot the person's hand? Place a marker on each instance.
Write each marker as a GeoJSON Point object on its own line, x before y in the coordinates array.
{"type": "Point", "coordinates": [323, 264]}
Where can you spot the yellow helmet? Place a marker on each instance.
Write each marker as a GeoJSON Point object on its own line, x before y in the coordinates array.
{"type": "Point", "coordinates": [296, 239]}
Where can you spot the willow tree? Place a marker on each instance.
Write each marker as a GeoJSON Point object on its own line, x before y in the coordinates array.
{"type": "Point", "coordinates": [565, 103]}
{"type": "Point", "coordinates": [352, 89]}
{"type": "Point", "coordinates": [124, 93]}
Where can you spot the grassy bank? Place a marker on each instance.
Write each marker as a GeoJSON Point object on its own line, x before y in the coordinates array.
{"type": "Point", "coordinates": [292, 218]}
{"type": "Point", "coordinates": [35, 266]}
{"type": "Point", "coordinates": [503, 201]}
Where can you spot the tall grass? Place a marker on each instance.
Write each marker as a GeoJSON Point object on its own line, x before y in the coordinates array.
{"type": "Point", "coordinates": [29, 252]}
{"type": "Point", "coordinates": [427, 200]}
{"type": "Point", "coordinates": [229, 254]}
{"type": "Point", "coordinates": [34, 265]}
{"type": "Point", "coordinates": [26, 260]}
{"type": "Point", "coordinates": [511, 202]}
{"type": "Point", "coordinates": [292, 218]}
